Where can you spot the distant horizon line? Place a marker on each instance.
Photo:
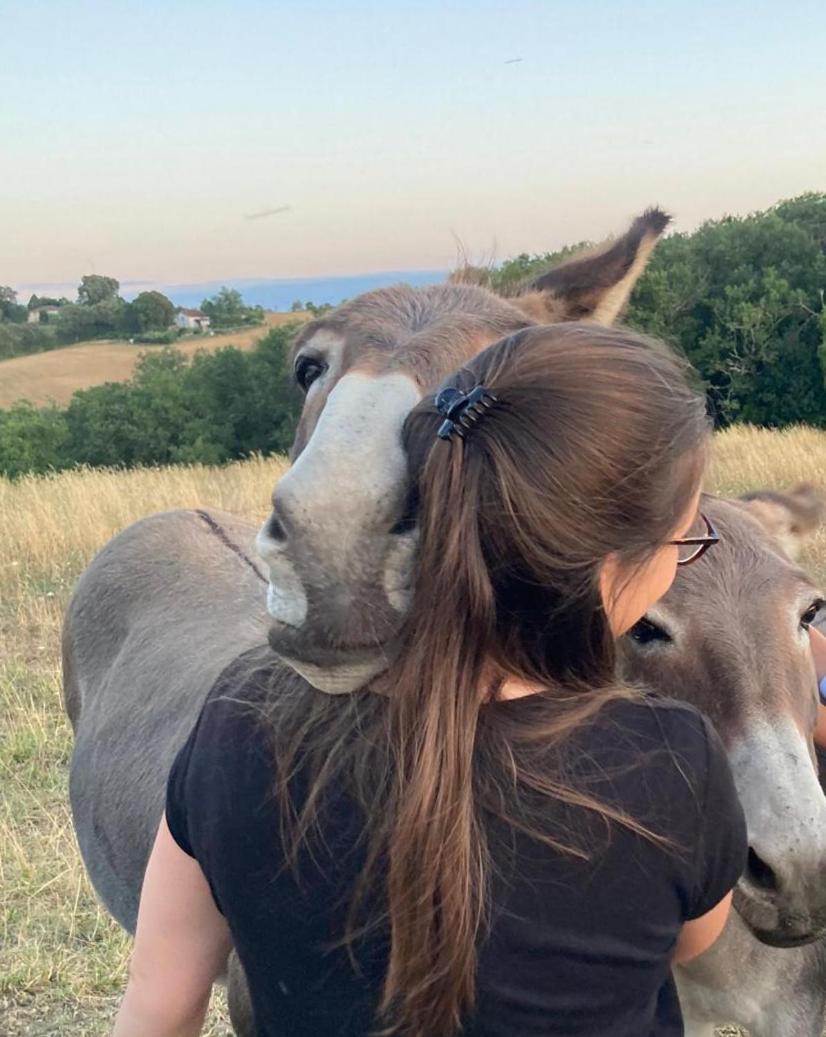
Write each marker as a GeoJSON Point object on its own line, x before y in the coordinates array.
{"type": "Point", "coordinates": [278, 294]}
{"type": "Point", "coordinates": [150, 284]}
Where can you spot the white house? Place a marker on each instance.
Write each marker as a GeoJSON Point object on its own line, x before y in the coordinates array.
{"type": "Point", "coordinates": [42, 314]}
{"type": "Point", "coordinates": [191, 320]}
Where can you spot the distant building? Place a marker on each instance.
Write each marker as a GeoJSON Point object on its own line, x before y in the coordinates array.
{"type": "Point", "coordinates": [191, 320]}
{"type": "Point", "coordinates": [42, 314]}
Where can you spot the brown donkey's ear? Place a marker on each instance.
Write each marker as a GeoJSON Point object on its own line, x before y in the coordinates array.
{"type": "Point", "coordinates": [595, 286]}
{"type": "Point", "coordinates": [789, 518]}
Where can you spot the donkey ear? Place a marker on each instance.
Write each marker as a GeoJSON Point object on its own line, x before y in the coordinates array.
{"type": "Point", "coordinates": [789, 518]}
{"type": "Point", "coordinates": [595, 286]}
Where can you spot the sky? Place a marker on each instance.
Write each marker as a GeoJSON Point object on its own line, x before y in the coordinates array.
{"type": "Point", "coordinates": [136, 140]}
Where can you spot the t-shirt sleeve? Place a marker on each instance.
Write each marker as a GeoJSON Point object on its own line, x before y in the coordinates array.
{"type": "Point", "coordinates": [176, 813]}
{"type": "Point", "coordinates": [221, 780]}
{"type": "Point", "coordinates": [723, 843]}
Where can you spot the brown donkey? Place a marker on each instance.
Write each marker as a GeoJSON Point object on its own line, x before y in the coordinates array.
{"type": "Point", "coordinates": [168, 603]}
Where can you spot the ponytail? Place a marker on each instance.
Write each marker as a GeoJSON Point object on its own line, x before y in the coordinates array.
{"type": "Point", "coordinates": [437, 851]}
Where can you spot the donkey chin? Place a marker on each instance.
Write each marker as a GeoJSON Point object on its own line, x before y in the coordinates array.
{"type": "Point", "coordinates": [339, 630]}
{"type": "Point", "coordinates": [335, 670]}
{"type": "Point", "coordinates": [776, 919]}
{"type": "Point", "coordinates": [340, 647]}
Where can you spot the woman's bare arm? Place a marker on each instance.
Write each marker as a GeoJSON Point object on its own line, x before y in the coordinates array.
{"type": "Point", "coordinates": [700, 933]}
{"type": "Point", "coordinates": [181, 944]}
{"type": "Point", "coordinates": [818, 641]}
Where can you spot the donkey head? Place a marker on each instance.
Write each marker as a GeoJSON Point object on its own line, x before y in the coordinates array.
{"type": "Point", "coordinates": [340, 539]}
{"type": "Point", "coordinates": [731, 637]}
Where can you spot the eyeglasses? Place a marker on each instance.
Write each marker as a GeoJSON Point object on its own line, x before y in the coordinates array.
{"type": "Point", "coordinates": [692, 548]}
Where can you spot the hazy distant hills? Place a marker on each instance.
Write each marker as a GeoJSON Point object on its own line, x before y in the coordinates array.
{"type": "Point", "coordinates": [281, 294]}
{"type": "Point", "coordinates": [272, 294]}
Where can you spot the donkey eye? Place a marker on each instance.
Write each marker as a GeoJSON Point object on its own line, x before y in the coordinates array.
{"type": "Point", "coordinates": [307, 369]}
{"type": "Point", "coordinates": [811, 613]}
{"type": "Point", "coordinates": [645, 632]}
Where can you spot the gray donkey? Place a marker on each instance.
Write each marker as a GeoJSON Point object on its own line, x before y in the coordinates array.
{"type": "Point", "coordinates": [171, 601]}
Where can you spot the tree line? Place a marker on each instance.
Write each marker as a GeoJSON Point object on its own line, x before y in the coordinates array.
{"type": "Point", "coordinates": [742, 297]}
{"type": "Point", "coordinates": [100, 312]}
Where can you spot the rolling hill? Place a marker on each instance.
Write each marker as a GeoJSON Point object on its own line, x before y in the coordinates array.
{"type": "Point", "coordinates": [52, 377]}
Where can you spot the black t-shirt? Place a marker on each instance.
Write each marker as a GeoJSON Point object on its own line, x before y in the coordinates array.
{"type": "Point", "coordinates": [575, 947]}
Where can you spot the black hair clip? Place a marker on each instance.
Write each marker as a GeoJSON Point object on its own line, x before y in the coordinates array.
{"type": "Point", "coordinates": [462, 410]}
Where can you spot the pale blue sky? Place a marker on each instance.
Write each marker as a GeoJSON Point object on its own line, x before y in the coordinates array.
{"type": "Point", "coordinates": [134, 137]}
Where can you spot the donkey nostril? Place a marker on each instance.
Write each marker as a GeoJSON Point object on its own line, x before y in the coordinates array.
{"type": "Point", "coordinates": [275, 529]}
{"type": "Point", "coordinates": [760, 873]}
{"type": "Point", "coordinates": [406, 524]}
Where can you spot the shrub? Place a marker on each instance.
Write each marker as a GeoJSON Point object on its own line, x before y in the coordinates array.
{"type": "Point", "coordinates": [24, 339]}
{"type": "Point", "coordinates": [32, 439]}
{"type": "Point", "coordinates": [157, 338]}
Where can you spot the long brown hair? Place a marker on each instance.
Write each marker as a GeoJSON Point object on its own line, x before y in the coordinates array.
{"type": "Point", "coordinates": [595, 445]}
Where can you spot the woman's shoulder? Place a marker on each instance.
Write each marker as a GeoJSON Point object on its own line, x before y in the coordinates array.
{"type": "Point", "coordinates": [232, 735]}
{"type": "Point", "coordinates": [246, 688]}
{"type": "Point", "coordinates": [651, 717]}
{"type": "Point", "coordinates": [671, 745]}
{"type": "Point", "coordinates": [247, 676]}
{"type": "Point", "coordinates": [687, 789]}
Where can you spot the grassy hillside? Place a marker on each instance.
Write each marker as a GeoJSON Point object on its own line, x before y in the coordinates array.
{"type": "Point", "coordinates": [55, 375]}
{"type": "Point", "coordinates": [62, 960]}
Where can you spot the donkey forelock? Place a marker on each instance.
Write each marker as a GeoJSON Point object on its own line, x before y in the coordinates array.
{"type": "Point", "coordinates": [338, 542]}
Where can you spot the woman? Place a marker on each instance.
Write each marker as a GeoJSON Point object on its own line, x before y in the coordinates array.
{"type": "Point", "coordinates": [503, 838]}
{"type": "Point", "coordinates": [818, 641]}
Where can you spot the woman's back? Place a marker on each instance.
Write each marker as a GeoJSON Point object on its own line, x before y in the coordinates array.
{"type": "Point", "coordinates": [574, 946]}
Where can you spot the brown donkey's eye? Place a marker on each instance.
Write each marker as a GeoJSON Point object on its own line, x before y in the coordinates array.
{"type": "Point", "coordinates": [646, 632]}
{"type": "Point", "coordinates": [307, 369]}
{"type": "Point", "coordinates": [811, 613]}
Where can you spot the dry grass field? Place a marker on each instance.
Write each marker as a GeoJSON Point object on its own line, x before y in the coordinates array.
{"type": "Point", "coordinates": [52, 377]}
{"type": "Point", "coordinates": [62, 960]}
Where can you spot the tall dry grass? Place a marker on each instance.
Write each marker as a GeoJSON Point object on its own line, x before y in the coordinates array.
{"type": "Point", "coordinates": [747, 458]}
{"type": "Point", "coordinates": [62, 960]}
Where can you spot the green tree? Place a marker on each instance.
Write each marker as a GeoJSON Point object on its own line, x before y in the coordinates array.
{"type": "Point", "coordinates": [150, 311]}
{"type": "Point", "coordinates": [242, 403]}
{"type": "Point", "coordinates": [14, 313]}
{"type": "Point", "coordinates": [141, 422]}
{"type": "Point", "coordinates": [98, 313]}
{"type": "Point", "coordinates": [32, 439]}
{"type": "Point", "coordinates": [9, 308]}
{"type": "Point", "coordinates": [225, 308]}
{"type": "Point", "coordinates": [23, 339]}
{"type": "Point", "coordinates": [743, 298]}
{"type": "Point", "coordinates": [102, 427]}
{"type": "Point", "coordinates": [95, 288]}
{"type": "Point", "coordinates": [106, 319]}
{"type": "Point", "coordinates": [807, 211]}
{"type": "Point", "coordinates": [280, 401]}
